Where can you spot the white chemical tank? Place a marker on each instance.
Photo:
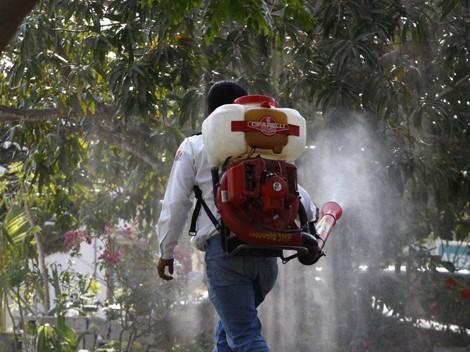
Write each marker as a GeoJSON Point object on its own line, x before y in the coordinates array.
{"type": "Point", "coordinates": [253, 126]}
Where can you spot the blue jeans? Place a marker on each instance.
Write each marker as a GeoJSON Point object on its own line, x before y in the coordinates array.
{"type": "Point", "coordinates": [237, 285]}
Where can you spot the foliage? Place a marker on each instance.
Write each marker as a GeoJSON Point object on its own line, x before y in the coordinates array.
{"type": "Point", "coordinates": [59, 338]}
{"type": "Point", "coordinates": [95, 97]}
{"type": "Point", "coordinates": [139, 302]}
{"type": "Point", "coordinates": [125, 96]}
{"type": "Point", "coordinates": [72, 290]}
{"type": "Point", "coordinates": [20, 280]}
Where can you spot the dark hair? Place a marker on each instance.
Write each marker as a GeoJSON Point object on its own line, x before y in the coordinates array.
{"type": "Point", "coordinates": [223, 92]}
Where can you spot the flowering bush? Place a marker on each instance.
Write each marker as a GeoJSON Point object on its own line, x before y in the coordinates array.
{"type": "Point", "coordinates": [465, 293]}
{"type": "Point", "coordinates": [459, 288]}
{"type": "Point", "coordinates": [73, 239]}
{"type": "Point", "coordinates": [119, 240]}
{"type": "Point", "coordinates": [111, 257]}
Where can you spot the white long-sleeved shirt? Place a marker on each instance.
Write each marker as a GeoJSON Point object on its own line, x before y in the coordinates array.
{"type": "Point", "coordinates": [190, 168]}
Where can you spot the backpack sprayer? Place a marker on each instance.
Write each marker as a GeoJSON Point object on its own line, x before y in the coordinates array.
{"type": "Point", "coordinates": [252, 144]}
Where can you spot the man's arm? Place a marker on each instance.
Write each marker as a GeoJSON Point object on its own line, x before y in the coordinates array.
{"type": "Point", "coordinates": [175, 207]}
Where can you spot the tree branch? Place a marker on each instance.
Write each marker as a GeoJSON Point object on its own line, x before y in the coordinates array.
{"type": "Point", "coordinates": [409, 49]}
{"type": "Point", "coordinates": [450, 88]}
{"type": "Point", "coordinates": [126, 144]}
{"type": "Point", "coordinates": [9, 114]}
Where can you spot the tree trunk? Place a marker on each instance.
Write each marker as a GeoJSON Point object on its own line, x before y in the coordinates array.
{"type": "Point", "coordinates": [12, 13]}
{"type": "Point", "coordinates": [42, 262]}
{"type": "Point", "coordinates": [43, 270]}
{"type": "Point", "coordinates": [3, 313]}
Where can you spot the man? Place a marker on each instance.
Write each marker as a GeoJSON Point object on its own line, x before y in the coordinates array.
{"type": "Point", "coordinates": [237, 284]}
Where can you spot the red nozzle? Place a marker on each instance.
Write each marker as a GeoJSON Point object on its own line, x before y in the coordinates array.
{"type": "Point", "coordinates": [333, 209]}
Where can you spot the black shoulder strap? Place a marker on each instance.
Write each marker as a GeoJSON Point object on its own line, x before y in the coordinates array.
{"type": "Point", "coordinates": [197, 209]}
{"type": "Point", "coordinates": [302, 216]}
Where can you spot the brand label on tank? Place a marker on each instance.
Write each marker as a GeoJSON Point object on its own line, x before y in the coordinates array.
{"type": "Point", "coordinates": [268, 126]}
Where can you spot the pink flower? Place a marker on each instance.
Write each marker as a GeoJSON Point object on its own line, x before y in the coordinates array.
{"type": "Point", "coordinates": [110, 257]}
{"type": "Point", "coordinates": [465, 293]}
{"type": "Point", "coordinates": [73, 239]}
{"type": "Point", "coordinates": [451, 283]}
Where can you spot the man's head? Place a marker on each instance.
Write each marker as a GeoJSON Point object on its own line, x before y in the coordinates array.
{"type": "Point", "coordinates": [223, 92]}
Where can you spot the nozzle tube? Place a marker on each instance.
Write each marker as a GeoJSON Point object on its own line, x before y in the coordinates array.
{"type": "Point", "coordinates": [331, 213]}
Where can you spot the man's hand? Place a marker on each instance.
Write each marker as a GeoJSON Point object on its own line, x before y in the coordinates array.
{"type": "Point", "coordinates": [162, 264]}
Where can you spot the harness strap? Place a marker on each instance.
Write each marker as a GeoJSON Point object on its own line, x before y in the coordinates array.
{"type": "Point", "coordinates": [197, 209]}
{"type": "Point", "coordinates": [303, 216]}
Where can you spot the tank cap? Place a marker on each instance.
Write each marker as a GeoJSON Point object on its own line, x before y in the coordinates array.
{"type": "Point", "coordinates": [263, 100]}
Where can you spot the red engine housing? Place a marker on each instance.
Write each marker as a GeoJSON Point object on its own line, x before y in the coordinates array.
{"type": "Point", "coordinates": [258, 201]}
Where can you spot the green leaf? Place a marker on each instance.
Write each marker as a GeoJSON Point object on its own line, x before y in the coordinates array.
{"type": "Point", "coordinates": [450, 267]}
{"type": "Point", "coordinates": [15, 223]}
{"type": "Point", "coordinates": [46, 339]}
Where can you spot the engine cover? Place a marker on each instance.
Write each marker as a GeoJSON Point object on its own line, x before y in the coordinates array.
{"type": "Point", "coordinates": [259, 203]}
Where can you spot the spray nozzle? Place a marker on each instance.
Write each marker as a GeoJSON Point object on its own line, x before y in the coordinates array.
{"type": "Point", "coordinates": [333, 209]}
